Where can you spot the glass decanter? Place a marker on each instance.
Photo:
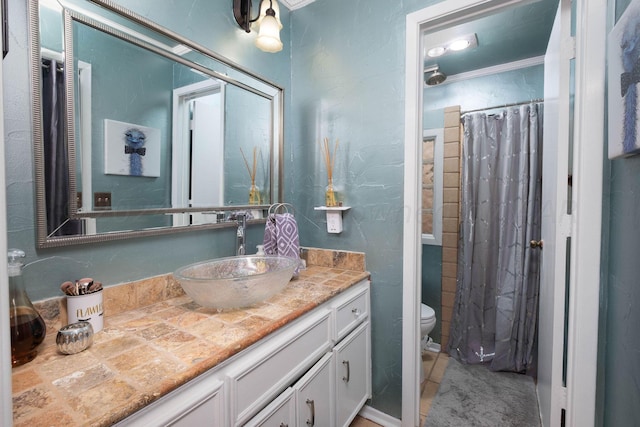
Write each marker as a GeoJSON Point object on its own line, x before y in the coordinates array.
{"type": "Point", "coordinates": [27, 327]}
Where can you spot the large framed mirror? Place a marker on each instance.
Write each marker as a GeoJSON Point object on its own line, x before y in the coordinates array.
{"type": "Point", "coordinates": [139, 131]}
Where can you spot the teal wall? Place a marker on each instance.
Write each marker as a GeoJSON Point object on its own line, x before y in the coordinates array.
{"type": "Point", "coordinates": [348, 83]}
{"type": "Point", "coordinates": [432, 285]}
{"type": "Point", "coordinates": [619, 349]}
{"type": "Point", "coordinates": [619, 379]}
{"type": "Point", "coordinates": [248, 116]}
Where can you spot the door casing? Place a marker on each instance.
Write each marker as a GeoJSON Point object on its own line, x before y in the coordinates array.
{"type": "Point", "coordinates": [587, 191]}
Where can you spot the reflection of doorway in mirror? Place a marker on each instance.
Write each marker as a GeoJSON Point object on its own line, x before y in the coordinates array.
{"type": "Point", "coordinates": [83, 144]}
{"type": "Point", "coordinates": [198, 150]}
{"type": "Point", "coordinates": [206, 181]}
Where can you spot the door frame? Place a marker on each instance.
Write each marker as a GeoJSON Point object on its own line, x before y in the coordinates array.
{"type": "Point", "coordinates": [6, 401]}
{"type": "Point", "coordinates": [180, 175]}
{"type": "Point", "coordinates": [587, 187]}
{"type": "Point", "coordinates": [586, 224]}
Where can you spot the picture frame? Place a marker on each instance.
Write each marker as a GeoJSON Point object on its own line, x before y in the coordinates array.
{"type": "Point", "coordinates": [131, 149]}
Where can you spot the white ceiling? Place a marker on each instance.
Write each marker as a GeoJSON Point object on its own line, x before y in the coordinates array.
{"type": "Point", "coordinates": [295, 4]}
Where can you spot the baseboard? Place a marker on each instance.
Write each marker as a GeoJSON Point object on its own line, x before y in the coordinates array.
{"type": "Point", "coordinates": [379, 417]}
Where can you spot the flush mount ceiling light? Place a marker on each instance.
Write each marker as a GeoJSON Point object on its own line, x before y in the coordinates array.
{"type": "Point", "coordinates": [267, 22]}
{"type": "Point", "coordinates": [434, 52]}
{"type": "Point", "coordinates": [455, 45]}
{"type": "Point", "coordinates": [459, 44]}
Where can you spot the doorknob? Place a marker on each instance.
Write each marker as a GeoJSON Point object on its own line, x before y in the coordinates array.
{"type": "Point", "coordinates": [536, 244]}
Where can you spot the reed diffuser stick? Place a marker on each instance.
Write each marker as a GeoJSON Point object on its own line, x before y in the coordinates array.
{"type": "Point", "coordinates": [329, 156]}
{"type": "Point", "coordinates": [254, 193]}
{"type": "Point", "coordinates": [330, 161]}
{"type": "Point", "coordinates": [252, 171]}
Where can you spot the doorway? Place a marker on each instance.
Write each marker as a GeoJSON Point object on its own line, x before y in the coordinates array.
{"type": "Point", "coordinates": [198, 138]}
{"type": "Point", "coordinates": [589, 103]}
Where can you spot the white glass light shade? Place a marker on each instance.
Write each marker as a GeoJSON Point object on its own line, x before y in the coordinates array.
{"type": "Point", "coordinates": [269, 36]}
{"type": "Point", "coordinates": [264, 5]}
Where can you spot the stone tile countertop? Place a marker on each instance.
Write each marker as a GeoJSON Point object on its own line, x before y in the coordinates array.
{"type": "Point", "coordinates": [158, 344]}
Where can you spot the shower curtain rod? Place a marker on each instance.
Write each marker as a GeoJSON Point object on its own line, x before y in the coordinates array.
{"type": "Point", "coordinates": [514, 104]}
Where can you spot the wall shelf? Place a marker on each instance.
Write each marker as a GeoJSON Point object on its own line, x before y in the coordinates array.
{"type": "Point", "coordinates": [334, 217]}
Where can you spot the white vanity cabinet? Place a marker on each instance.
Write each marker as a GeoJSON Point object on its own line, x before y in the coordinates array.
{"type": "Point", "coordinates": [279, 413]}
{"type": "Point", "coordinates": [352, 374]}
{"type": "Point", "coordinates": [276, 362]}
{"type": "Point", "coordinates": [315, 395]}
{"type": "Point", "coordinates": [207, 412]}
{"type": "Point", "coordinates": [315, 370]}
{"type": "Point", "coordinates": [198, 403]}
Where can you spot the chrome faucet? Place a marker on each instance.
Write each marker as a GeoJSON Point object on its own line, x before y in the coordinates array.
{"type": "Point", "coordinates": [241, 219]}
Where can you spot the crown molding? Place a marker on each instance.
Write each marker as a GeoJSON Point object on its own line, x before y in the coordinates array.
{"type": "Point", "coordinates": [295, 4]}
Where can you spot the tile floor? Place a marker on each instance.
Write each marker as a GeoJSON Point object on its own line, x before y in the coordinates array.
{"type": "Point", "coordinates": [434, 367]}
{"type": "Point", "coordinates": [363, 422]}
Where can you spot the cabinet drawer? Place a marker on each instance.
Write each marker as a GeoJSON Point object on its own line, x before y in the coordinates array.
{"type": "Point", "coordinates": [351, 312]}
{"type": "Point", "coordinates": [207, 413]}
{"type": "Point", "coordinates": [199, 402]}
{"type": "Point", "coordinates": [273, 367]}
{"type": "Point", "coordinates": [279, 413]}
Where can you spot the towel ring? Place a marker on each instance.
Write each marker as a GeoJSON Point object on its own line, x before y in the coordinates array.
{"type": "Point", "coordinates": [280, 207]}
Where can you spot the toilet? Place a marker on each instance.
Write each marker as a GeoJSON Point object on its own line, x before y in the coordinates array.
{"type": "Point", "coordinates": [427, 323]}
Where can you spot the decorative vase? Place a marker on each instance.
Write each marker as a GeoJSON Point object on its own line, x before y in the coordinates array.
{"type": "Point", "coordinates": [330, 195]}
{"type": "Point", "coordinates": [254, 195]}
{"type": "Point", "coordinates": [27, 327]}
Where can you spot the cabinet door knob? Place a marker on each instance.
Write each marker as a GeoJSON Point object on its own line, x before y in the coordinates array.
{"type": "Point", "coordinates": [345, 363]}
{"type": "Point", "coordinates": [312, 406]}
{"type": "Point", "coordinates": [355, 311]}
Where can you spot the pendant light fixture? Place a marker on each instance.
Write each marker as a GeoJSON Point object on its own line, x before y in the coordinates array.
{"type": "Point", "coordinates": [267, 22]}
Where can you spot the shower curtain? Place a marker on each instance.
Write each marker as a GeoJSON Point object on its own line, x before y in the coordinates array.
{"type": "Point", "coordinates": [55, 152]}
{"type": "Point", "coordinates": [495, 314]}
